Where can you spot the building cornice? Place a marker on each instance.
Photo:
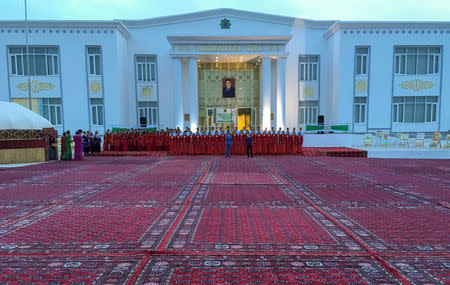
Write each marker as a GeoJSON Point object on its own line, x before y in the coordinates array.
{"type": "Point", "coordinates": [385, 25]}
{"type": "Point", "coordinates": [228, 40]}
{"type": "Point", "coordinates": [208, 14]}
{"type": "Point", "coordinates": [69, 24]}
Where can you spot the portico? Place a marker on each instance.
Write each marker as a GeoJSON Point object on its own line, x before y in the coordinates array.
{"type": "Point", "coordinates": [259, 65]}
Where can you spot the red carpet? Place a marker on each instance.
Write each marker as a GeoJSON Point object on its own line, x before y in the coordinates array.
{"type": "Point", "coordinates": [199, 219]}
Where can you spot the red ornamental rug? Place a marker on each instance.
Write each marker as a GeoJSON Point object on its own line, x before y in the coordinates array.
{"type": "Point", "coordinates": [201, 219]}
{"type": "Point", "coordinates": [220, 269]}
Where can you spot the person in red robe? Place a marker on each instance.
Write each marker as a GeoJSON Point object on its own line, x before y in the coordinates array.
{"type": "Point", "coordinates": [242, 145]}
{"type": "Point", "coordinates": [283, 143]}
{"type": "Point", "coordinates": [178, 144]}
{"type": "Point", "coordinates": [124, 141]}
{"type": "Point", "coordinates": [106, 140]}
{"type": "Point", "coordinates": [236, 145]}
{"type": "Point", "coordinates": [222, 143]}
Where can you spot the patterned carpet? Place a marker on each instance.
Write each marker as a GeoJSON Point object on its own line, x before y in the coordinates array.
{"type": "Point", "coordinates": [215, 220]}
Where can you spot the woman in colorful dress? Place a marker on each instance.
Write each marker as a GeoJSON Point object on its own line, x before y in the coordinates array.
{"type": "Point", "coordinates": [63, 145]}
{"type": "Point", "coordinates": [67, 147]}
{"type": "Point", "coordinates": [78, 140]}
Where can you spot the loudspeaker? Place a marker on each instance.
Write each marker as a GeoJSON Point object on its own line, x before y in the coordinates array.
{"type": "Point", "coordinates": [320, 120]}
{"type": "Point", "coordinates": [143, 122]}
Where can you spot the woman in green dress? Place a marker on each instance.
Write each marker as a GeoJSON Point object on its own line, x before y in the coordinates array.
{"type": "Point", "coordinates": [68, 147]}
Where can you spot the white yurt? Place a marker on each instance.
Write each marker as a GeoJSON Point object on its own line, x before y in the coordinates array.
{"type": "Point", "coordinates": [24, 135]}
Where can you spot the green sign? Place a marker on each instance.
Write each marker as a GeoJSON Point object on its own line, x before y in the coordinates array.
{"type": "Point", "coordinates": [342, 128]}
{"type": "Point", "coordinates": [224, 115]}
{"type": "Point", "coordinates": [116, 130]}
{"type": "Point", "coordinates": [314, 128]}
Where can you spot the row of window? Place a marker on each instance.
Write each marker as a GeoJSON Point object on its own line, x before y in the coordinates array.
{"type": "Point", "coordinates": [44, 61]}
{"type": "Point", "coordinates": [419, 109]}
{"type": "Point", "coordinates": [408, 60]}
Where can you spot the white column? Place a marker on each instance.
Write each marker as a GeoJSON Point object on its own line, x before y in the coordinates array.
{"type": "Point", "coordinates": [281, 93]}
{"type": "Point", "coordinates": [193, 93]}
{"type": "Point", "coordinates": [265, 92]}
{"type": "Point", "coordinates": [177, 93]}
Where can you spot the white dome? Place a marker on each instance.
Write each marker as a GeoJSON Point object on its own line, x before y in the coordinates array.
{"type": "Point", "coordinates": [15, 116]}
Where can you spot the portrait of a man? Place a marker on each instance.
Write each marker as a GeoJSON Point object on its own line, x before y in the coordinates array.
{"type": "Point", "coordinates": [228, 88]}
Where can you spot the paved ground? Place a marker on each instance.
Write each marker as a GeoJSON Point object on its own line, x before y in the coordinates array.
{"type": "Point", "coordinates": [405, 152]}
{"type": "Point", "coordinates": [279, 219]}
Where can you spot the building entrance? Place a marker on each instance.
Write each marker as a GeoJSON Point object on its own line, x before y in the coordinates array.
{"type": "Point", "coordinates": [228, 92]}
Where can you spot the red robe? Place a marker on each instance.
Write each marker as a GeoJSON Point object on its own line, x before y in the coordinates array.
{"type": "Point", "coordinates": [300, 145]}
{"type": "Point", "coordinates": [209, 146]}
{"type": "Point", "coordinates": [106, 142]}
{"type": "Point", "coordinates": [283, 142]}
{"type": "Point", "coordinates": [242, 148]}
{"type": "Point", "coordinates": [124, 142]}
{"type": "Point", "coordinates": [234, 144]}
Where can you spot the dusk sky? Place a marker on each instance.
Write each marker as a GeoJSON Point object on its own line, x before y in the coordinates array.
{"type": "Point", "coordinates": [359, 10]}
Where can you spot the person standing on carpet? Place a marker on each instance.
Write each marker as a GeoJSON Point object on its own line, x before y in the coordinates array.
{"type": "Point", "coordinates": [249, 143]}
{"type": "Point", "coordinates": [228, 143]}
{"type": "Point", "coordinates": [63, 145]}
{"type": "Point", "coordinates": [67, 147]}
{"type": "Point", "coordinates": [77, 139]}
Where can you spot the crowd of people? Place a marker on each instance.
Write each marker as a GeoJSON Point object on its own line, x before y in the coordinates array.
{"type": "Point", "coordinates": [177, 142]}
{"type": "Point", "coordinates": [85, 143]}
{"type": "Point", "coordinates": [210, 142]}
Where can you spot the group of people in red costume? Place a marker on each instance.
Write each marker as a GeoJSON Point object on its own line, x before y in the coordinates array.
{"type": "Point", "coordinates": [207, 142]}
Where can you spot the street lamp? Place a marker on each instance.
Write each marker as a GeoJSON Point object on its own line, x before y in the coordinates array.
{"type": "Point", "coordinates": [28, 56]}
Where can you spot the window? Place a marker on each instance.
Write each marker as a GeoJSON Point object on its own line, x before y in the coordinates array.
{"type": "Point", "coordinates": [43, 60]}
{"type": "Point", "coordinates": [309, 68]}
{"type": "Point", "coordinates": [417, 60]}
{"type": "Point", "coordinates": [96, 111]}
{"type": "Point", "coordinates": [419, 109]}
{"type": "Point", "coordinates": [94, 58]}
{"type": "Point", "coordinates": [49, 108]}
{"type": "Point", "coordinates": [146, 68]}
{"type": "Point", "coordinates": [360, 109]}
{"type": "Point", "coordinates": [149, 111]}
{"type": "Point", "coordinates": [308, 111]}
{"type": "Point", "coordinates": [362, 64]}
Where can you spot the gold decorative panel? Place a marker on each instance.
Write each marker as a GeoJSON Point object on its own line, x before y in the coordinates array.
{"type": "Point", "coordinates": [361, 86]}
{"type": "Point", "coordinates": [36, 86]}
{"type": "Point", "coordinates": [147, 91]}
{"type": "Point", "coordinates": [416, 85]}
{"type": "Point", "coordinates": [309, 91]}
{"type": "Point", "coordinates": [95, 87]}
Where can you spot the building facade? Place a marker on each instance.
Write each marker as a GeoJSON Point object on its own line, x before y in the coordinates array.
{"type": "Point", "coordinates": [177, 71]}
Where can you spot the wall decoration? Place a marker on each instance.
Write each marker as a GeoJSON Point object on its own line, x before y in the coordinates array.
{"type": "Point", "coordinates": [228, 90]}
{"type": "Point", "coordinates": [309, 91]}
{"type": "Point", "coordinates": [95, 87]}
{"type": "Point", "coordinates": [147, 91]}
{"type": "Point", "coordinates": [361, 86]}
{"type": "Point", "coordinates": [416, 85]}
{"type": "Point", "coordinates": [225, 23]}
{"type": "Point", "coordinates": [36, 86]}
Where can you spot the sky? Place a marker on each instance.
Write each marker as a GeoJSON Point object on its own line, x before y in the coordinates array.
{"type": "Point", "coordinates": [346, 10]}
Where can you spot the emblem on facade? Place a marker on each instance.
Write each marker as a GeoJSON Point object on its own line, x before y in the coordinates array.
{"type": "Point", "coordinates": [361, 86]}
{"type": "Point", "coordinates": [416, 85]}
{"type": "Point", "coordinates": [147, 91]}
{"type": "Point", "coordinates": [309, 91]}
{"type": "Point", "coordinates": [95, 87]}
{"type": "Point", "coordinates": [36, 86]}
{"type": "Point", "coordinates": [225, 23]}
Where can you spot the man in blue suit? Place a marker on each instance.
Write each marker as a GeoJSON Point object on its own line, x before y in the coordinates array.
{"type": "Point", "coordinates": [228, 143]}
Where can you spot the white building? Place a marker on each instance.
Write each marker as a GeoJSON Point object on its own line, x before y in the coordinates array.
{"type": "Point", "coordinates": [392, 76]}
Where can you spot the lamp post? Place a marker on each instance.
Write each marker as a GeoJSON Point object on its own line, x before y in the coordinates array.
{"type": "Point", "coordinates": [28, 56]}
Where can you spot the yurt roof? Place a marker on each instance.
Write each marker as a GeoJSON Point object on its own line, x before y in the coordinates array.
{"type": "Point", "coordinates": [15, 116]}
